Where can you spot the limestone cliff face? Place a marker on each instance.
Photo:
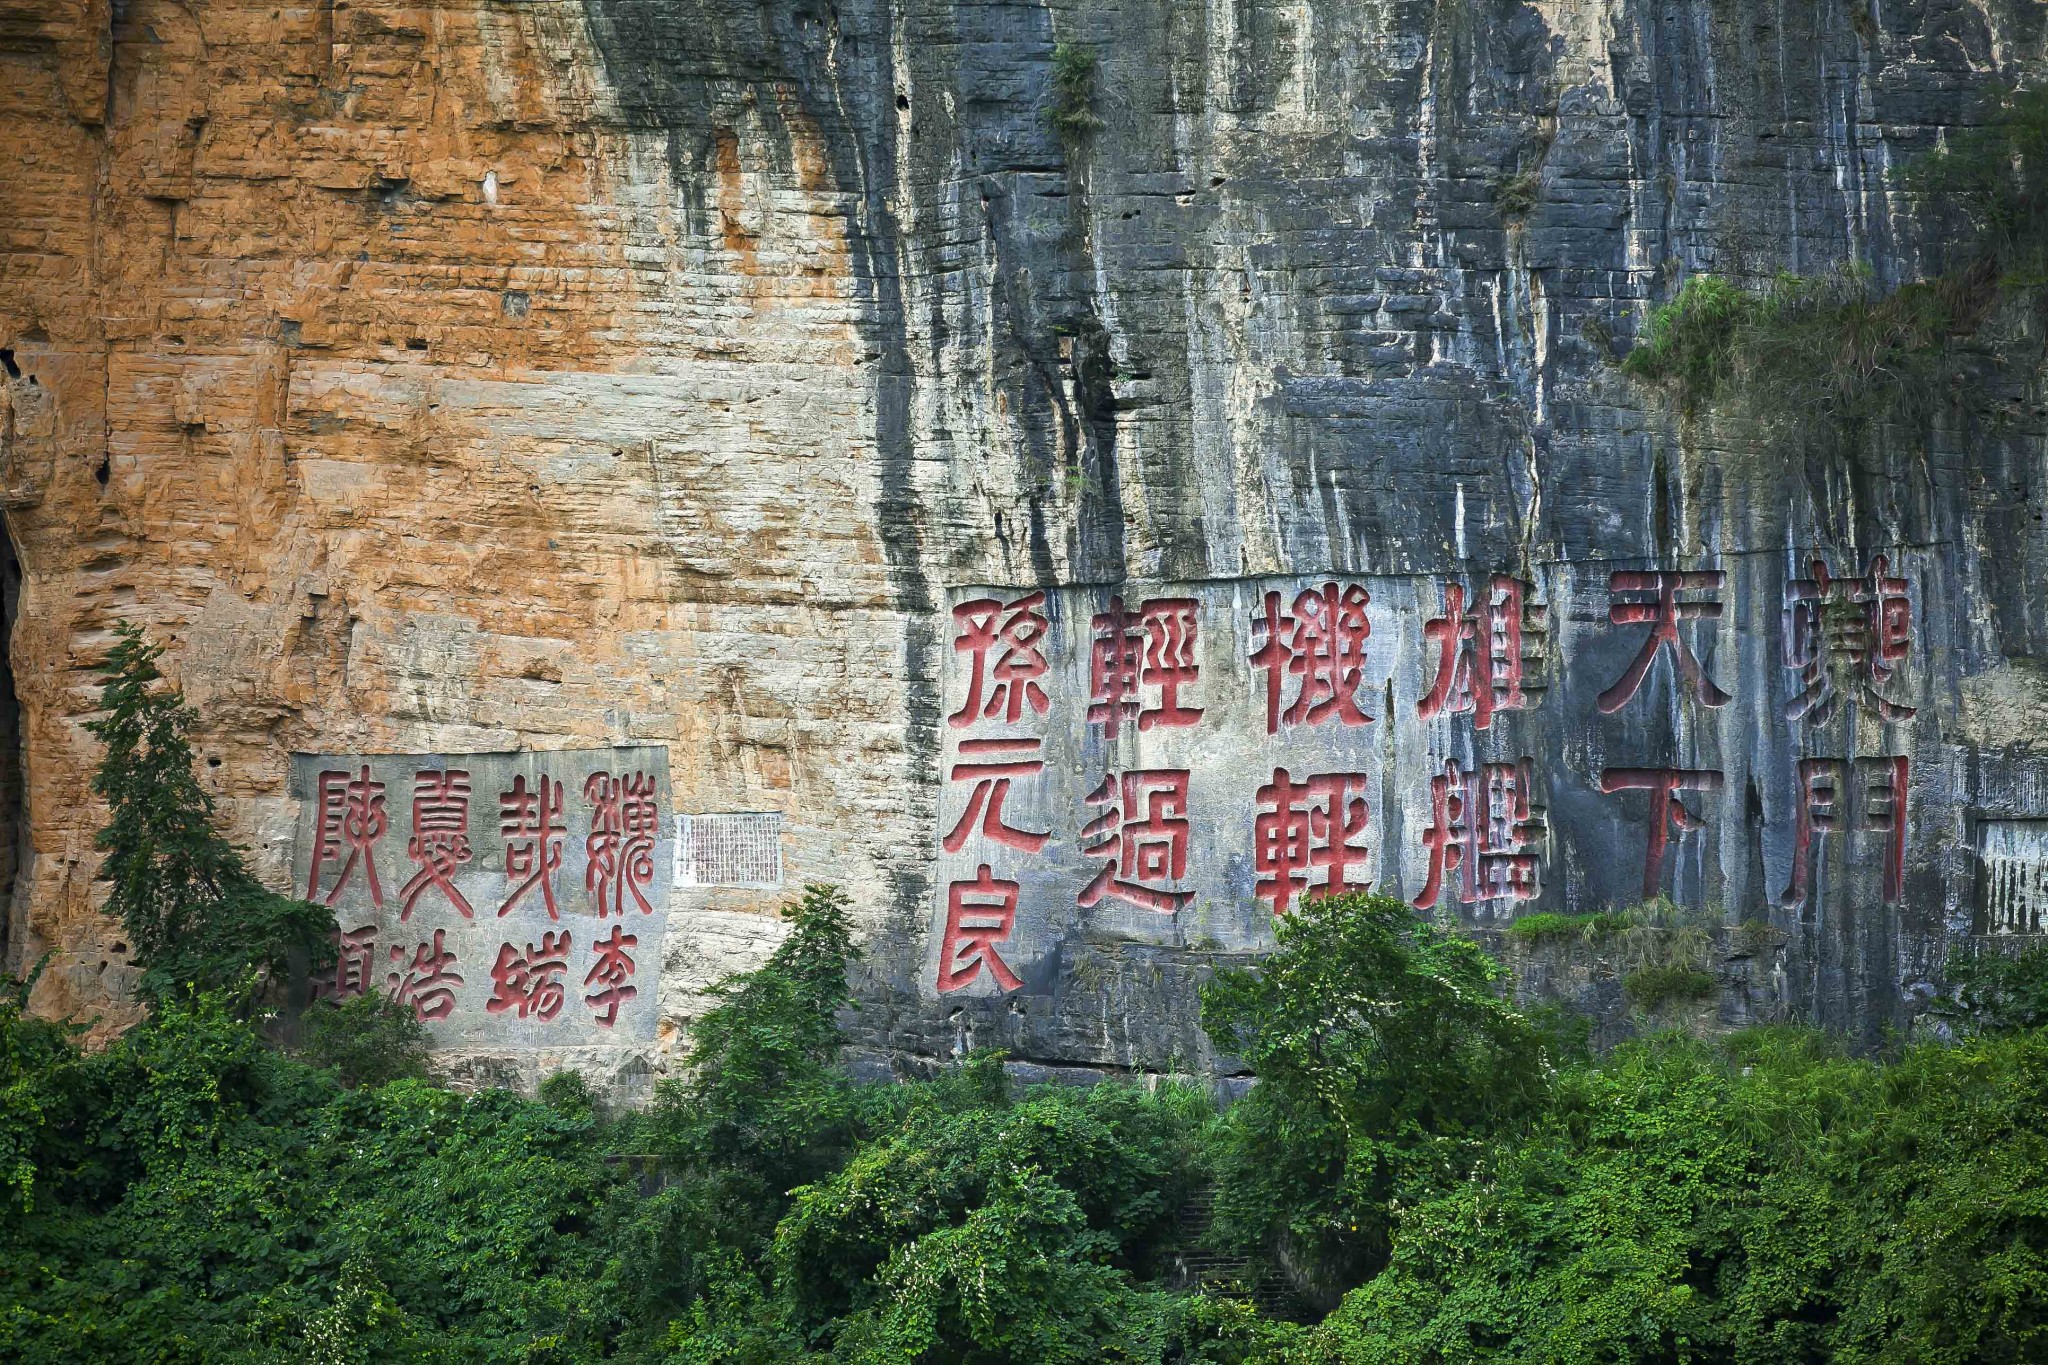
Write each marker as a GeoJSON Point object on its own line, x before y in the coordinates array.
{"type": "Point", "coordinates": [482, 376]}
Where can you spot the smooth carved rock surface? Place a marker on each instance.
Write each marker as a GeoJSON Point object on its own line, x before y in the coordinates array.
{"type": "Point", "coordinates": [475, 377]}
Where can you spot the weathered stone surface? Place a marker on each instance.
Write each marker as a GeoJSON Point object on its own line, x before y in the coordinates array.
{"type": "Point", "coordinates": [554, 375]}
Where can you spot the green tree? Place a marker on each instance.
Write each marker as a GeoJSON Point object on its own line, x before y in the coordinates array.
{"type": "Point", "coordinates": [193, 912]}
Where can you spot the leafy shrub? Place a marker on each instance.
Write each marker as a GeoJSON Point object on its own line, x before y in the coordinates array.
{"type": "Point", "coordinates": [1551, 927]}
{"type": "Point", "coordinates": [1992, 992]}
{"type": "Point", "coordinates": [366, 1040]}
{"type": "Point", "coordinates": [1652, 988]}
{"type": "Point", "coordinates": [1073, 91]}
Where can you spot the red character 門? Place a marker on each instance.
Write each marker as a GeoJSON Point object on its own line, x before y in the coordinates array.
{"type": "Point", "coordinates": [1322, 641]}
{"type": "Point", "coordinates": [609, 973]}
{"type": "Point", "coordinates": [1668, 815]}
{"type": "Point", "coordinates": [533, 826]}
{"type": "Point", "coordinates": [1484, 826]}
{"type": "Point", "coordinates": [351, 815]}
{"type": "Point", "coordinates": [530, 982]}
{"type": "Point", "coordinates": [1861, 626]}
{"type": "Point", "coordinates": [440, 838]}
{"type": "Point", "coordinates": [1006, 643]}
{"type": "Point", "coordinates": [979, 915]}
{"type": "Point", "coordinates": [1482, 654]}
{"type": "Point", "coordinates": [1133, 651]}
{"type": "Point", "coordinates": [1143, 832]}
{"type": "Point", "coordinates": [623, 825]}
{"type": "Point", "coordinates": [1843, 796]}
{"type": "Point", "coordinates": [1661, 612]}
{"type": "Point", "coordinates": [427, 983]}
{"type": "Point", "coordinates": [1305, 828]}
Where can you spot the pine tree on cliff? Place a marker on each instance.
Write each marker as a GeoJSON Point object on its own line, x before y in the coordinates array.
{"type": "Point", "coordinates": [194, 913]}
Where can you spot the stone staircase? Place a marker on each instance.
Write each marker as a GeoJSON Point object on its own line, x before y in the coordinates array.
{"type": "Point", "coordinates": [1228, 1274]}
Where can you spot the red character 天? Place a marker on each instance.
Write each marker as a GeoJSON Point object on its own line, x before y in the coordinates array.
{"type": "Point", "coordinates": [530, 982]}
{"type": "Point", "coordinates": [979, 915]}
{"type": "Point", "coordinates": [1006, 643]}
{"type": "Point", "coordinates": [1484, 826]}
{"type": "Point", "coordinates": [355, 958]}
{"type": "Point", "coordinates": [991, 765]}
{"type": "Point", "coordinates": [1842, 796]}
{"type": "Point", "coordinates": [1668, 815]}
{"type": "Point", "coordinates": [1654, 601]}
{"type": "Point", "coordinates": [623, 822]}
{"type": "Point", "coordinates": [1322, 641]}
{"type": "Point", "coordinates": [533, 826]}
{"type": "Point", "coordinates": [1134, 651]}
{"type": "Point", "coordinates": [1307, 828]}
{"type": "Point", "coordinates": [351, 816]}
{"type": "Point", "coordinates": [1482, 654]}
{"type": "Point", "coordinates": [427, 983]}
{"type": "Point", "coordinates": [608, 973]}
{"type": "Point", "coordinates": [440, 838]}
{"type": "Point", "coordinates": [1143, 832]}
{"type": "Point", "coordinates": [1858, 626]}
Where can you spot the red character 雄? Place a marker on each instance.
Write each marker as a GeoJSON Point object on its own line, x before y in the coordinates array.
{"type": "Point", "coordinates": [1483, 653]}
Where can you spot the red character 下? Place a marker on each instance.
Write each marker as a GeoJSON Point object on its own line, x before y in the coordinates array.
{"type": "Point", "coordinates": [1668, 815]}
{"type": "Point", "coordinates": [1143, 832]}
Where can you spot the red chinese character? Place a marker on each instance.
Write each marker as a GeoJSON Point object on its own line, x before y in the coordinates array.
{"type": "Point", "coordinates": [351, 816]}
{"type": "Point", "coordinates": [1662, 616]}
{"type": "Point", "coordinates": [997, 762]}
{"type": "Point", "coordinates": [1861, 626]}
{"type": "Point", "coordinates": [426, 984]}
{"type": "Point", "coordinates": [609, 972]}
{"type": "Point", "coordinates": [1482, 654]}
{"type": "Point", "coordinates": [621, 843]}
{"type": "Point", "coordinates": [1879, 808]}
{"type": "Point", "coordinates": [531, 982]}
{"type": "Point", "coordinates": [1151, 647]}
{"type": "Point", "coordinates": [1668, 815]}
{"type": "Point", "coordinates": [440, 838]}
{"type": "Point", "coordinates": [1305, 827]}
{"type": "Point", "coordinates": [1483, 826]}
{"type": "Point", "coordinates": [1323, 643]}
{"type": "Point", "coordinates": [355, 957]}
{"type": "Point", "coordinates": [979, 915]}
{"type": "Point", "coordinates": [1014, 632]}
{"type": "Point", "coordinates": [532, 824]}
{"type": "Point", "coordinates": [1144, 834]}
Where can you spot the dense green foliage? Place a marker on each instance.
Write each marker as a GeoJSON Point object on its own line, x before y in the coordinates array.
{"type": "Point", "coordinates": [193, 912]}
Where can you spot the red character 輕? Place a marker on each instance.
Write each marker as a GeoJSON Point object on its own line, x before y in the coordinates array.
{"type": "Point", "coordinates": [1668, 815]}
{"type": "Point", "coordinates": [1307, 827]}
{"type": "Point", "coordinates": [1322, 642]}
{"type": "Point", "coordinates": [1877, 805]}
{"type": "Point", "coordinates": [979, 915]}
{"type": "Point", "coordinates": [1144, 835]}
{"type": "Point", "coordinates": [609, 973]}
{"type": "Point", "coordinates": [623, 824]}
{"type": "Point", "coordinates": [531, 982]}
{"type": "Point", "coordinates": [992, 764]}
{"type": "Point", "coordinates": [1861, 625]}
{"type": "Point", "coordinates": [1483, 826]}
{"type": "Point", "coordinates": [440, 838]}
{"type": "Point", "coordinates": [351, 816]}
{"type": "Point", "coordinates": [1662, 615]}
{"type": "Point", "coordinates": [1132, 651]}
{"type": "Point", "coordinates": [1482, 653]}
{"type": "Point", "coordinates": [533, 826]}
{"type": "Point", "coordinates": [355, 957]}
{"type": "Point", "coordinates": [426, 983]}
{"type": "Point", "coordinates": [1014, 634]}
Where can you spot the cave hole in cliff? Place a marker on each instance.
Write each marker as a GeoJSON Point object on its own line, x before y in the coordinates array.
{"type": "Point", "coordinates": [13, 774]}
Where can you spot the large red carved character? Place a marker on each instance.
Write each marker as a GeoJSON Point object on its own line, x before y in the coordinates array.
{"type": "Point", "coordinates": [1143, 832]}
{"type": "Point", "coordinates": [623, 828]}
{"type": "Point", "coordinates": [533, 826]}
{"type": "Point", "coordinates": [530, 982]}
{"type": "Point", "coordinates": [1005, 642]}
{"type": "Point", "coordinates": [1844, 796]}
{"type": "Point", "coordinates": [1668, 815]}
{"type": "Point", "coordinates": [440, 838]}
{"type": "Point", "coordinates": [350, 809]}
{"type": "Point", "coordinates": [1305, 828]}
{"type": "Point", "coordinates": [1481, 653]}
{"type": "Point", "coordinates": [1662, 613]}
{"type": "Point", "coordinates": [427, 983]}
{"type": "Point", "coordinates": [979, 915]}
{"type": "Point", "coordinates": [1322, 641]}
{"type": "Point", "coordinates": [1132, 651]}
{"type": "Point", "coordinates": [1483, 826]}
{"type": "Point", "coordinates": [609, 973]}
{"type": "Point", "coordinates": [355, 958]}
{"type": "Point", "coordinates": [1863, 626]}
{"type": "Point", "coordinates": [992, 764]}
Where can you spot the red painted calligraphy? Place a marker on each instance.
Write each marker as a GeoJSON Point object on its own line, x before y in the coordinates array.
{"type": "Point", "coordinates": [979, 915]}
{"type": "Point", "coordinates": [1304, 831]}
{"type": "Point", "coordinates": [533, 827]}
{"type": "Point", "coordinates": [1662, 612]}
{"type": "Point", "coordinates": [440, 838]}
{"type": "Point", "coordinates": [1483, 826]}
{"type": "Point", "coordinates": [609, 973]}
{"type": "Point", "coordinates": [355, 959]}
{"type": "Point", "coordinates": [351, 816]}
{"type": "Point", "coordinates": [1322, 641]}
{"type": "Point", "coordinates": [620, 849]}
{"type": "Point", "coordinates": [1860, 627]}
{"type": "Point", "coordinates": [993, 764]}
{"type": "Point", "coordinates": [1482, 653]}
{"type": "Point", "coordinates": [1143, 832]}
{"type": "Point", "coordinates": [1668, 815]}
{"type": "Point", "coordinates": [1132, 651]}
{"type": "Point", "coordinates": [530, 982]}
{"type": "Point", "coordinates": [427, 982]}
{"type": "Point", "coordinates": [1841, 796]}
{"type": "Point", "coordinates": [1006, 643]}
